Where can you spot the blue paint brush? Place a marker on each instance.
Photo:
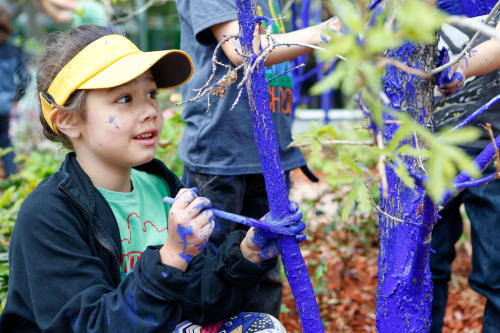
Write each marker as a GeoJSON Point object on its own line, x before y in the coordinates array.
{"type": "Point", "coordinates": [244, 220]}
{"type": "Point", "coordinates": [470, 8]}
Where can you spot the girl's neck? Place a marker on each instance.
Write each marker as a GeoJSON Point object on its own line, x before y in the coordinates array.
{"type": "Point", "coordinates": [111, 178]}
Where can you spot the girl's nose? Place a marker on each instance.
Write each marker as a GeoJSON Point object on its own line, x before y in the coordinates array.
{"type": "Point", "coordinates": [150, 111]}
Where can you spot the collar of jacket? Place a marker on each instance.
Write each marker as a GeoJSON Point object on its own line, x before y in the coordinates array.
{"type": "Point", "coordinates": [77, 183]}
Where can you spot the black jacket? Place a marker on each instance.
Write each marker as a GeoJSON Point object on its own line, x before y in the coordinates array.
{"type": "Point", "coordinates": [64, 268]}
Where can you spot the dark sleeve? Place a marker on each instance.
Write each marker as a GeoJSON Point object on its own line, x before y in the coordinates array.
{"type": "Point", "coordinates": [212, 288]}
{"type": "Point", "coordinates": [221, 286]}
{"type": "Point", "coordinates": [22, 74]}
{"type": "Point", "coordinates": [64, 287]}
{"type": "Point", "coordinates": [205, 14]}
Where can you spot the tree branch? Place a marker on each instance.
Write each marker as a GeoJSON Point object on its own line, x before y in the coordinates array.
{"type": "Point", "coordinates": [139, 11]}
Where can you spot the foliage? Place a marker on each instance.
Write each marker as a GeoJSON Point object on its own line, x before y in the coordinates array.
{"type": "Point", "coordinates": [35, 167]}
{"type": "Point", "coordinates": [365, 36]}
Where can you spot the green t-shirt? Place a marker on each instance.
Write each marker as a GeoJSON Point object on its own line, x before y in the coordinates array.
{"type": "Point", "coordinates": [89, 12]}
{"type": "Point", "coordinates": [141, 214]}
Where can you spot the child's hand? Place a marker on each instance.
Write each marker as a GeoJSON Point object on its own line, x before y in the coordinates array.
{"type": "Point", "coordinates": [332, 24]}
{"type": "Point", "coordinates": [453, 80]}
{"type": "Point", "coordinates": [190, 223]}
{"type": "Point", "coordinates": [259, 245]}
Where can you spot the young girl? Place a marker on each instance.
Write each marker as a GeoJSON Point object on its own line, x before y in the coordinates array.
{"type": "Point", "coordinates": [94, 248]}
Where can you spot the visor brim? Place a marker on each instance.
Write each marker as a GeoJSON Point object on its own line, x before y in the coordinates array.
{"type": "Point", "coordinates": [170, 68]}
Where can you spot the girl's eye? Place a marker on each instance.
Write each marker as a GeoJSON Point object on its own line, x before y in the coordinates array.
{"type": "Point", "coordinates": [152, 94]}
{"type": "Point", "coordinates": [124, 99]}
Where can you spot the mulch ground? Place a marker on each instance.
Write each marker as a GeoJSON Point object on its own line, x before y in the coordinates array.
{"type": "Point", "coordinates": [343, 269]}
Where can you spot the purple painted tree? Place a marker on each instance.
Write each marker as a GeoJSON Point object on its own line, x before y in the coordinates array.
{"type": "Point", "coordinates": [265, 139]}
{"type": "Point", "coordinates": [399, 124]}
{"type": "Point", "coordinates": [413, 164]}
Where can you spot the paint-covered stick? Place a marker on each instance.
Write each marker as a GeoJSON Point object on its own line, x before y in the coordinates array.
{"type": "Point", "coordinates": [244, 220]}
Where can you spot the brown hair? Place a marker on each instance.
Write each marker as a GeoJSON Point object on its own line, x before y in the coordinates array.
{"type": "Point", "coordinates": [60, 48]}
{"type": "Point", "coordinates": [5, 24]}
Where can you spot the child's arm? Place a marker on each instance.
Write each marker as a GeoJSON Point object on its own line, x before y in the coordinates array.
{"type": "Point", "coordinates": [481, 60]}
{"type": "Point", "coordinates": [55, 12]}
{"type": "Point", "coordinates": [312, 35]}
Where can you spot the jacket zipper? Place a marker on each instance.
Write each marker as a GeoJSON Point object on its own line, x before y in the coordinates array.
{"type": "Point", "coordinates": [100, 239]}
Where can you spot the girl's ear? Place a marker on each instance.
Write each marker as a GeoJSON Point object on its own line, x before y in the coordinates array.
{"type": "Point", "coordinates": [67, 123]}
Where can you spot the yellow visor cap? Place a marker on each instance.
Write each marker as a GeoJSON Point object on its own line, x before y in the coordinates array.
{"type": "Point", "coordinates": [111, 61]}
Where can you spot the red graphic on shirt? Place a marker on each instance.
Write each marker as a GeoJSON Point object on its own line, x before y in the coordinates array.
{"type": "Point", "coordinates": [144, 229]}
{"type": "Point", "coordinates": [129, 259]}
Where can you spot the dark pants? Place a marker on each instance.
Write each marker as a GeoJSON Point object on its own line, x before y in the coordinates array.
{"type": "Point", "coordinates": [8, 160]}
{"type": "Point", "coordinates": [482, 205]}
{"type": "Point", "coordinates": [245, 195]}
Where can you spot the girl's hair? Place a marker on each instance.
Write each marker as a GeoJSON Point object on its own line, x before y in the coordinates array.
{"type": "Point", "coordinates": [5, 24]}
{"type": "Point", "coordinates": [60, 48]}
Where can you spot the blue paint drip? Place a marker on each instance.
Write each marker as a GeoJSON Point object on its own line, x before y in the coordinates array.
{"type": "Point", "coordinates": [111, 119]}
{"type": "Point", "coordinates": [183, 233]}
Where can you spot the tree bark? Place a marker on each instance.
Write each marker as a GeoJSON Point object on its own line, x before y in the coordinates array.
{"type": "Point", "coordinates": [404, 291]}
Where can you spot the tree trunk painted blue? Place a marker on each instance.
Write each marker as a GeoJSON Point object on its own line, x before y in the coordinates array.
{"type": "Point", "coordinates": [265, 139]}
{"type": "Point", "coordinates": [404, 290]}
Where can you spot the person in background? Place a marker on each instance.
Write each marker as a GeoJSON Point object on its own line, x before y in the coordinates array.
{"type": "Point", "coordinates": [14, 79]}
{"type": "Point", "coordinates": [468, 85]}
{"type": "Point", "coordinates": [76, 12]}
{"type": "Point", "coordinates": [217, 146]}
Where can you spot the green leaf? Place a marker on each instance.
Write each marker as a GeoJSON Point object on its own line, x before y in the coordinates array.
{"type": "Point", "coordinates": [349, 15]}
{"type": "Point", "coordinates": [419, 21]}
{"type": "Point", "coordinates": [402, 172]}
{"type": "Point", "coordinates": [460, 136]}
{"type": "Point", "coordinates": [379, 39]}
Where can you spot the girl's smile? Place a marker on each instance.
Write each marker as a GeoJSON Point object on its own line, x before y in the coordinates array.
{"type": "Point", "coordinates": [147, 138]}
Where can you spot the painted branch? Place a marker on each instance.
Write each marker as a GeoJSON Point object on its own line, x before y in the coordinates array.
{"type": "Point", "coordinates": [481, 161]}
{"type": "Point", "coordinates": [248, 221]}
{"type": "Point", "coordinates": [477, 113]}
{"type": "Point", "coordinates": [477, 182]}
{"type": "Point", "coordinates": [267, 147]}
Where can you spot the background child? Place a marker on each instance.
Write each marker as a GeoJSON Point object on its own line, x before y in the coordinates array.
{"type": "Point", "coordinates": [13, 82]}
{"type": "Point", "coordinates": [217, 147]}
{"type": "Point", "coordinates": [76, 12]}
{"type": "Point", "coordinates": [480, 68]}
{"type": "Point", "coordinates": [90, 251]}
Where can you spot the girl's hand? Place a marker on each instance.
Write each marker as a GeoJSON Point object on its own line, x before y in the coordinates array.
{"type": "Point", "coordinates": [190, 223]}
{"type": "Point", "coordinates": [259, 245]}
{"type": "Point", "coordinates": [453, 80]}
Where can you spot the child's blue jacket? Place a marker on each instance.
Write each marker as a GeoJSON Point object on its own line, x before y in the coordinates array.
{"type": "Point", "coordinates": [64, 268]}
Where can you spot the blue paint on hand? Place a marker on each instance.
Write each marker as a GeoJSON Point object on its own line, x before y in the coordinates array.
{"type": "Point", "coordinates": [183, 233]}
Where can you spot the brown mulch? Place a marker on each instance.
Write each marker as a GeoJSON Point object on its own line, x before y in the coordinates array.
{"type": "Point", "coordinates": [343, 269]}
